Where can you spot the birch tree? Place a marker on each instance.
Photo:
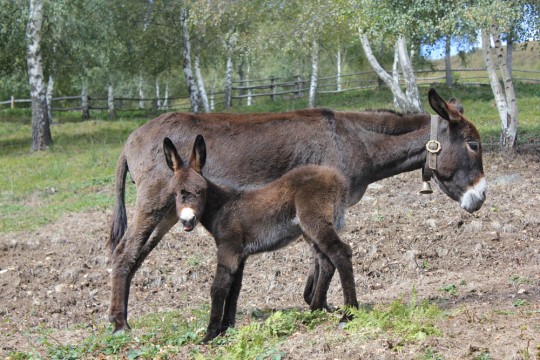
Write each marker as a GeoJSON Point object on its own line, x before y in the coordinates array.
{"type": "Point", "coordinates": [41, 133]}
{"type": "Point", "coordinates": [187, 68]}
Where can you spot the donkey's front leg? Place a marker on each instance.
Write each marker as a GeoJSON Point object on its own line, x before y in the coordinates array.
{"type": "Point", "coordinates": [228, 263]}
{"type": "Point", "coordinates": [229, 313]}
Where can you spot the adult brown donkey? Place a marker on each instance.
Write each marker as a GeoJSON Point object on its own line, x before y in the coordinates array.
{"type": "Point", "coordinates": [250, 150]}
{"type": "Point", "coordinates": [309, 200]}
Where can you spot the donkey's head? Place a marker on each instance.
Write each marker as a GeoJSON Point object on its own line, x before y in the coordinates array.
{"type": "Point", "coordinates": [455, 157]}
{"type": "Point", "coordinates": [187, 183]}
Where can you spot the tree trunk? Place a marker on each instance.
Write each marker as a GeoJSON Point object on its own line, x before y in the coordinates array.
{"type": "Point", "coordinates": [84, 104]}
{"type": "Point", "coordinates": [447, 62]}
{"type": "Point", "coordinates": [413, 96]}
{"type": "Point", "coordinates": [231, 42]}
{"type": "Point", "coordinates": [158, 100]}
{"type": "Point", "coordinates": [314, 73]}
{"type": "Point", "coordinates": [500, 99]}
{"type": "Point", "coordinates": [165, 105]}
{"type": "Point", "coordinates": [200, 84]}
{"type": "Point", "coordinates": [395, 74]}
{"type": "Point", "coordinates": [141, 92]}
{"type": "Point", "coordinates": [338, 58]}
{"type": "Point", "coordinates": [188, 72]}
{"type": "Point", "coordinates": [41, 132]}
{"type": "Point", "coordinates": [249, 98]}
{"type": "Point", "coordinates": [110, 102]}
{"type": "Point", "coordinates": [399, 96]}
{"type": "Point", "coordinates": [50, 87]}
{"type": "Point", "coordinates": [509, 135]}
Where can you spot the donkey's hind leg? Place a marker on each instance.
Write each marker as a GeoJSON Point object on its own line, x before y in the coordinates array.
{"type": "Point", "coordinates": [128, 256]}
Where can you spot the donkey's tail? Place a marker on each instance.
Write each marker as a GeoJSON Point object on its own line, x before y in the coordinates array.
{"type": "Point", "coordinates": [119, 221]}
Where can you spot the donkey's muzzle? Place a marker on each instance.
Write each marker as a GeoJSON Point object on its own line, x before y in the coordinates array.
{"type": "Point", "coordinates": [188, 218]}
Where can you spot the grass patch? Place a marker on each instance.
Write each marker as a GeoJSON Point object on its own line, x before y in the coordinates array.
{"type": "Point", "coordinates": [177, 334]}
{"type": "Point", "coordinates": [403, 322]}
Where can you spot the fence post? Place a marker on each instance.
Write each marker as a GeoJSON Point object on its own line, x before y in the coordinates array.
{"type": "Point", "coordinates": [272, 88]}
{"type": "Point", "coordinates": [212, 102]}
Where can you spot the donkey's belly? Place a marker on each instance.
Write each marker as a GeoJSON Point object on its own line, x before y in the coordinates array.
{"type": "Point", "coordinates": [270, 238]}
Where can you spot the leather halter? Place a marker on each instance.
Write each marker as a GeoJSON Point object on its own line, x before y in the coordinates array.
{"type": "Point", "coordinates": [433, 147]}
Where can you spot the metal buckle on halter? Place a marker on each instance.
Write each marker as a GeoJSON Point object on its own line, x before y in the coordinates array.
{"type": "Point", "coordinates": [433, 146]}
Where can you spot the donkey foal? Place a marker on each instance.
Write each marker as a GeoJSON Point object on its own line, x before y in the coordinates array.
{"type": "Point", "coordinates": [308, 200]}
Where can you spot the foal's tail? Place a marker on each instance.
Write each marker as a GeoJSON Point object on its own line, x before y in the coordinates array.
{"type": "Point", "coordinates": [119, 221]}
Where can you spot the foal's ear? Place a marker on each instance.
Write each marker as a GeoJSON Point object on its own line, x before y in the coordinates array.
{"type": "Point", "coordinates": [198, 155]}
{"type": "Point", "coordinates": [442, 108]}
{"type": "Point", "coordinates": [174, 161]}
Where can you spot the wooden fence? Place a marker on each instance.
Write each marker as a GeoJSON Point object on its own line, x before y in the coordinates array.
{"type": "Point", "coordinates": [282, 88]}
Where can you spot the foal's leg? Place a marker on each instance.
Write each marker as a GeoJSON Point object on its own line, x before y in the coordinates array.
{"type": "Point", "coordinates": [319, 279]}
{"type": "Point", "coordinates": [229, 260]}
{"type": "Point", "coordinates": [328, 242]}
{"type": "Point", "coordinates": [128, 256]}
{"type": "Point", "coordinates": [313, 274]}
{"type": "Point", "coordinates": [229, 313]}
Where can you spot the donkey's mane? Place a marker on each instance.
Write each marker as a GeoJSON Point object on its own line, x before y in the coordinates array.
{"type": "Point", "coordinates": [385, 121]}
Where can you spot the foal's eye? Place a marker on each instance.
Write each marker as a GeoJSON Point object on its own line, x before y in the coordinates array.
{"type": "Point", "coordinates": [473, 145]}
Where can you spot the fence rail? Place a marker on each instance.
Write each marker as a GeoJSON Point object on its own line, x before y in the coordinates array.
{"type": "Point", "coordinates": [283, 87]}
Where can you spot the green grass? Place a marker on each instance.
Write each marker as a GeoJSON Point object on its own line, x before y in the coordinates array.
{"type": "Point", "coordinates": [77, 173]}
{"type": "Point", "coordinates": [161, 335]}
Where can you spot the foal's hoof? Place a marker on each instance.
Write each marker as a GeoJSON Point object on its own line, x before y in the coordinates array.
{"type": "Point", "coordinates": [120, 326]}
{"type": "Point", "coordinates": [209, 337]}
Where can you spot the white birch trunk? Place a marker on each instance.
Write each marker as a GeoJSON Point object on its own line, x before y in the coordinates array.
{"type": "Point", "coordinates": [110, 102]}
{"type": "Point", "coordinates": [50, 88]}
{"type": "Point", "coordinates": [500, 100]}
{"type": "Point", "coordinates": [388, 80]}
{"type": "Point", "coordinates": [84, 103]}
{"type": "Point", "coordinates": [314, 73]}
{"type": "Point", "coordinates": [395, 74]}
{"type": "Point", "coordinates": [188, 72]}
{"type": "Point", "coordinates": [165, 104]}
{"type": "Point", "coordinates": [413, 96]}
{"type": "Point", "coordinates": [249, 98]}
{"type": "Point", "coordinates": [141, 92]}
{"type": "Point", "coordinates": [338, 58]}
{"type": "Point", "coordinates": [41, 132]}
{"type": "Point", "coordinates": [158, 100]}
{"type": "Point", "coordinates": [200, 84]}
{"type": "Point", "coordinates": [231, 42]}
{"type": "Point", "coordinates": [509, 135]}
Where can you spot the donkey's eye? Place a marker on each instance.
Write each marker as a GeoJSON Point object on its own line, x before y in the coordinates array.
{"type": "Point", "coordinates": [473, 145]}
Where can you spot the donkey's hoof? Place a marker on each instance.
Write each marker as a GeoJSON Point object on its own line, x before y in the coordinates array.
{"type": "Point", "coordinates": [120, 326]}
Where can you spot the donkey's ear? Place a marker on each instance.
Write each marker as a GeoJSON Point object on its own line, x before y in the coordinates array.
{"type": "Point", "coordinates": [198, 155]}
{"type": "Point", "coordinates": [440, 106]}
{"type": "Point", "coordinates": [174, 161]}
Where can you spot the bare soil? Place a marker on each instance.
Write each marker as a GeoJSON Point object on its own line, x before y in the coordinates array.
{"type": "Point", "coordinates": [58, 276]}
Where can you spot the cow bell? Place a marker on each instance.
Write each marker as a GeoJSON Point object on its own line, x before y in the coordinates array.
{"type": "Point", "coordinates": [426, 188]}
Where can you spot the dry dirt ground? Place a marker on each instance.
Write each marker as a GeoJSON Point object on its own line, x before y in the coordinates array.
{"type": "Point", "coordinates": [58, 275]}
